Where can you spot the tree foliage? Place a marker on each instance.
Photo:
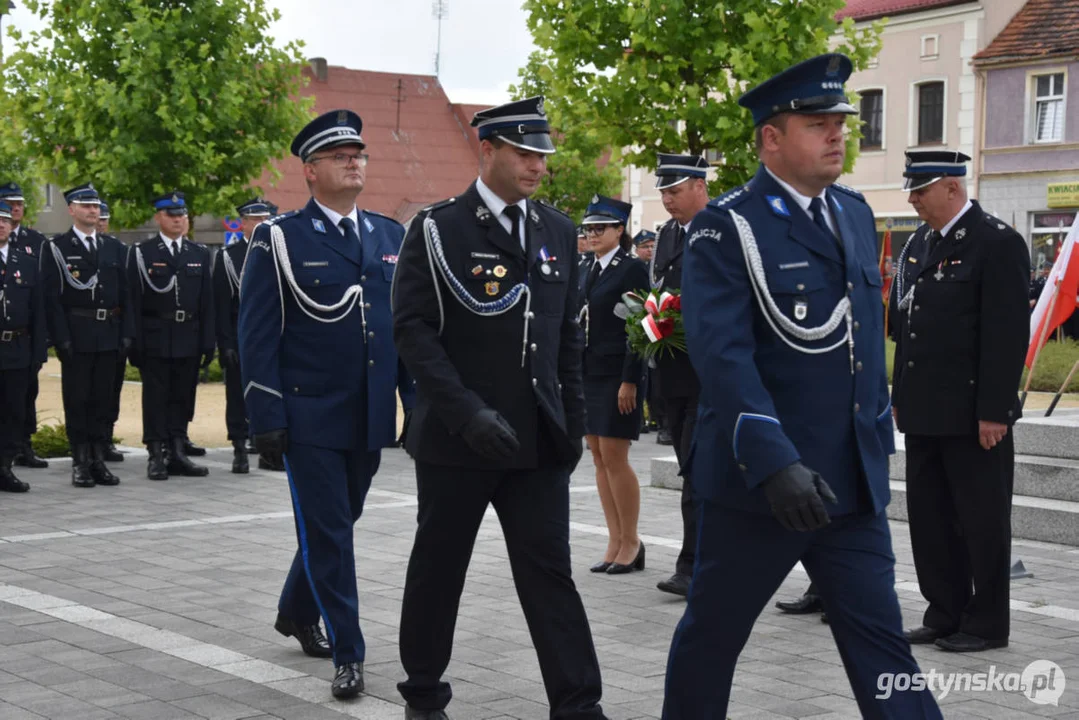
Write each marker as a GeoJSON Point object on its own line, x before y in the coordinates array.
{"type": "Point", "coordinates": [583, 164]}
{"type": "Point", "coordinates": [665, 75]}
{"type": "Point", "coordinates": [145, 96]}
{"type": "Point", "coordinates": [16, 165]}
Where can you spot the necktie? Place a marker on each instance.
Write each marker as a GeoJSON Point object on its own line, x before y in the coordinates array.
{"type": "Point", "coordinates": [816, 206]}
{"type": "Point", "coordinates": [514, 214]}
{"type": "Point", "coordinates": [349, 229]}
{"type": "Point", "coordinates": [592, 275]}
{"type": "Point", "coordinates": [934, 240]}
{"type": "Point", "coordinates": [91, 246]}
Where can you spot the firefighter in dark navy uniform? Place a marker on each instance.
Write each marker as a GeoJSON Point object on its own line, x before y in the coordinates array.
{"type": "Point", "coordinates": [22, 343]}
{"type": "Point", "coordinates": [319, 371]}
{"type": "Point", "coordinates": [29, 241]}
{"type": "Point", "coordinates": [172, 301]}
{"type": "Point", "coordinates": [681, 181]}
{"type": "Point", "coordinates": [228, 265]}
{"type": "Point", "coordinates": [784, 325]}
{"type": "Point", "coordinates": [485, 318]}
{"type": "Point", "coordinates": [88, 306]}
{"type": "Point", "coordinates": [962, 322]}
{"type": "Point", "coordinates": [613, 379]}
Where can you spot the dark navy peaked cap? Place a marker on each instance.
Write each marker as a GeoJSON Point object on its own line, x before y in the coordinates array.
{"type": "Point", "coordinates": [172, 203]}
{"type": "Point", "coordinates": [522, 123]}
{"type": "Point", "coordinates": [674, 169]}
{"type": "Point", "coordinates": [254, 208]}
{"type": "Point", "coordinates": [11, 192]}
{"type": "Point", "coordinates": [103, 211]}
{"type": "Point", "coordinates": [644, 236]}
{"type": "Point", "coordinates": [5, 210]}
{"type": "Point", "coordinates": [337, 127]}
{"type": "Point", "coordinates": [82, 195]}
{"type": "Point", "coordinates": [925, 167]}
{"type": "Point", "coordinates": [812, 87]}
{"type": "Point", "coordinates": [606, 211]}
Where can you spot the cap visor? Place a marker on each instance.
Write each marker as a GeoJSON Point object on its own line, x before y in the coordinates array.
{"type": "Point", "coordinates": [919, 182]}
{"type": "Point", "coordinates": [667, 181]}
{"type": "Point", "coordinates": [533, 142]}
{"type": "Point", "coordinates": [176, 212]}
{"type": "Point", "coordinates": [602, 220]}
{"type": "Point", "coordinates": [844, 108]}
{"type": "Point", "coordinates": [12, 198]}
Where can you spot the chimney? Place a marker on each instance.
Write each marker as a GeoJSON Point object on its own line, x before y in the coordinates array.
{"type": "Point", "coordinates": [320, 69]}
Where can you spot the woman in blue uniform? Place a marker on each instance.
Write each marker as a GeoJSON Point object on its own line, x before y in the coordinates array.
{"type": "Point", "coordinates": [613, 385]}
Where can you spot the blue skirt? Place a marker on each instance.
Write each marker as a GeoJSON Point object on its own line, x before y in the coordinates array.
{"type": "Point", "coordinates": [601, 406]}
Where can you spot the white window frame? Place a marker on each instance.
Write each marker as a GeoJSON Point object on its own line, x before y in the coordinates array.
{"type": "Point", "coordinates": [48, 196]}
{"type": "Point", "coordinates": [913, 112]}
{"type": "Point", "coordinates": [1030, 123]}
{"type": "Point", "coordinates": [883, 117]}
{"type": "Point", "coordinates": [926, 40]}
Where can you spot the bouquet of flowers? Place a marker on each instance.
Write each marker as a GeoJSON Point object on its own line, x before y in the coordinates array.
{"type": "Point", "coordinates": [653, 322]}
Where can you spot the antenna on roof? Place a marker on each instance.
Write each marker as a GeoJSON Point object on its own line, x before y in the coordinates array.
{"type": "Point", "coordinates": [439, 10]}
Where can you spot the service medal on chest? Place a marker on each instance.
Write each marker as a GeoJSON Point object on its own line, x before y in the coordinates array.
{"type": "Point", "coordinates": [491, 288]}
{"type": "Point", "coordinates": [545, 269]}
{"type": "Point", "coordinates": [801, 309]}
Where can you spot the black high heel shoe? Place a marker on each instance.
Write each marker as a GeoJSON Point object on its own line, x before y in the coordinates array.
{"type": "Point", "coordinates": [600, 567]}
{"type": "Point", "coordinates": [637, 564]}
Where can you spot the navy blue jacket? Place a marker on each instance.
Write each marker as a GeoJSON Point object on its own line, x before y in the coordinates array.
{"type": "Point", "coordinates": [606, 352]}
{"type": "Point", "coordinates": [764, 405]}
{"type": "Point", "coordinates": [330, 385]}
{"type": "Point", "coordinates": [22, 312]}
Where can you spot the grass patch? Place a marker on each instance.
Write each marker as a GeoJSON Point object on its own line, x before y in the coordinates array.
{"type": "Point", "coordinates": [1054, 364]}
{"type": "Point", "coordinates": [50, 441]}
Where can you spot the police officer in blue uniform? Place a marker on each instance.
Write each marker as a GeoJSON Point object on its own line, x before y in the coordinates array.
{"type": "Point", "coordinates": [228, 265]}
{"type": "Point", "coordinates": [88, 307]}
{"type": "Point", "coordinates": [319, 370]}
{"type": "Point", "coordinates": [172, 300]}
{"type": "Point", "coordinates": [962, 330]}
{"type": "Point", "coordinates": [784, 324]}
{"type": "Point", "coordinates": [29, 241]}
{"type": "Point", "coordinates": [22, 343]}
{"type": "Point", "coordinates": [485, 317]}
{"type": "Point", "coordinates": [111, 453]}
{"type": "Point", "coordinates": [682, 184]}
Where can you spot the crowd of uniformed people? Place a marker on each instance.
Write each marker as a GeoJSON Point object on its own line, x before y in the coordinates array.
{"type": "Point", "coordinates": [492, 317]}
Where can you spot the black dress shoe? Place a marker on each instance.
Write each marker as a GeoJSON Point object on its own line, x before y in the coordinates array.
{"type": "Point", "coordinates": [637, 564]}
{"type": "Point", "coordinates": [112, 454]}
{"type": "Point", "coordinates": [663, 437]}
{"type": "Point", "coordinates": [180, 464]}
{"type": "Point", "coordinates": [313, 642]}
{"type": "Point", "coordinates": [412, 713]}
{"type": "Point", "coordinates": [965, 642]}
{"type": "Point", "coordinates": [802, 606]}
{"type": "Point", "coordinates": [193, 450]}
{"type": "Point", "coordinates": [268, 463]}
{"type": "Point", "coordinates": [824, 617]}
{"type": "Point", "coordinates": [600, 567]}
{"type": "Point", "coordinates": [924, 635]}
{"type": "Point", "coordinates": [677, 584]}
{"type": "Point", "coordinates": [28, 458]}
{"type": "Point", "coordinates": [348, 681]}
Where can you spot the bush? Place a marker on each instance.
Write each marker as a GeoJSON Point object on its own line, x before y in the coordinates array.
{"type": "Point", "coordinates": [209, 375]}
{"type": "Point", "coordinates": [50, 441]}
{"type": "Point", "coordinates": [1054, 364]}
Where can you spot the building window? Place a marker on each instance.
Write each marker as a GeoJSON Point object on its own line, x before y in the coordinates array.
{"type": "Point", "coordinates": [48, 196]}
{"type": "Point", "coordinates": [1049, 108]}
{"type": "Point", "coordinates": [871, 112]}
{"type": "Point", "coordinates": [931, 113]}
{"type": "Point", "coordinates": [714, 157]}
{"type": "Point", "coordinates": [929, 47]}
{"type": "Point", "coordinates": [1047, 237]}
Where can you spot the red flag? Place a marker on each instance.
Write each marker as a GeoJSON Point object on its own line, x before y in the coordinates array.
{"type": "Point", "coordinates": [1058, 299]}
{"type": "Point", "coordinates": [886, 266]}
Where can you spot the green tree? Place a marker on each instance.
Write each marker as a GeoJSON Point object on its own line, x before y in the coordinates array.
{"type": "Point", "coordinates": [665, 75]}
{"type": "Point", "coordinates": [584, 164]}
{"type": "Point", "coordinates": [16, 164]}
{"type": "Point", "coordinates": [144, 96]}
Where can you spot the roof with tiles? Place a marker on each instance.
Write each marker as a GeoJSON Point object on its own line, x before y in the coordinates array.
{"type": "Point", "coordinates": [1041, 29]}
{"type": "Point", "coordinates": [419, 150]}
{"type": "Point", "coordinates": [862, 10]}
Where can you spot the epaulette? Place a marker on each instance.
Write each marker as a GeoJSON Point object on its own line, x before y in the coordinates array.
{"type": "Point", "coordinates": [395, 221]}
{"type": "Point", "coordinates": [849, 191]}
{"type": "Point", "coordinates": [439, 205]}
{"type": "Point", "coordinates": [278, 218]}
{"type": "Point", "coordinates": [994, 221]}
{"type": "Point", "coordinates": [731, 198]}
{"type": "Point", "coordinates": [557, 210]}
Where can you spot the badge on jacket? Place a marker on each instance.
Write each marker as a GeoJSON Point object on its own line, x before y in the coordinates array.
{"type": "Point", "coordinates": [801, 308]}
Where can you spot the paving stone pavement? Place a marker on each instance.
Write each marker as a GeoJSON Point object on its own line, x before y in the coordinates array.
{"type": "Point", "coordinates": [156, 600]}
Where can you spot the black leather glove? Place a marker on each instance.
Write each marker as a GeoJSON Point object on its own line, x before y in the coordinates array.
{"type": "Point", "coordinates": [207, 358]}
{"type": "Point", "coordinates": [231, 357]}
{"type": "Point", "coordinates": [273, 443]}
{"type": "Point", "coordinates": [490, 435]}
{"type": "Point", "coordinates": [63, 351]}
{"type": "Point", "coordinates": [796, 495]}
{"type": "Point", "coordinates": [404, 429]}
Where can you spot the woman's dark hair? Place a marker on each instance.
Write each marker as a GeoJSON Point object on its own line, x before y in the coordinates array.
{"type": "Point", "coordinates": [625, 242]}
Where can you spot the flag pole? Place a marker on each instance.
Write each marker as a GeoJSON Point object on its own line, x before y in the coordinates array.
{"type": "Point", "coordinates": [1056, 398]}
{"type": "Point", "coordinates": [1041, 341]}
